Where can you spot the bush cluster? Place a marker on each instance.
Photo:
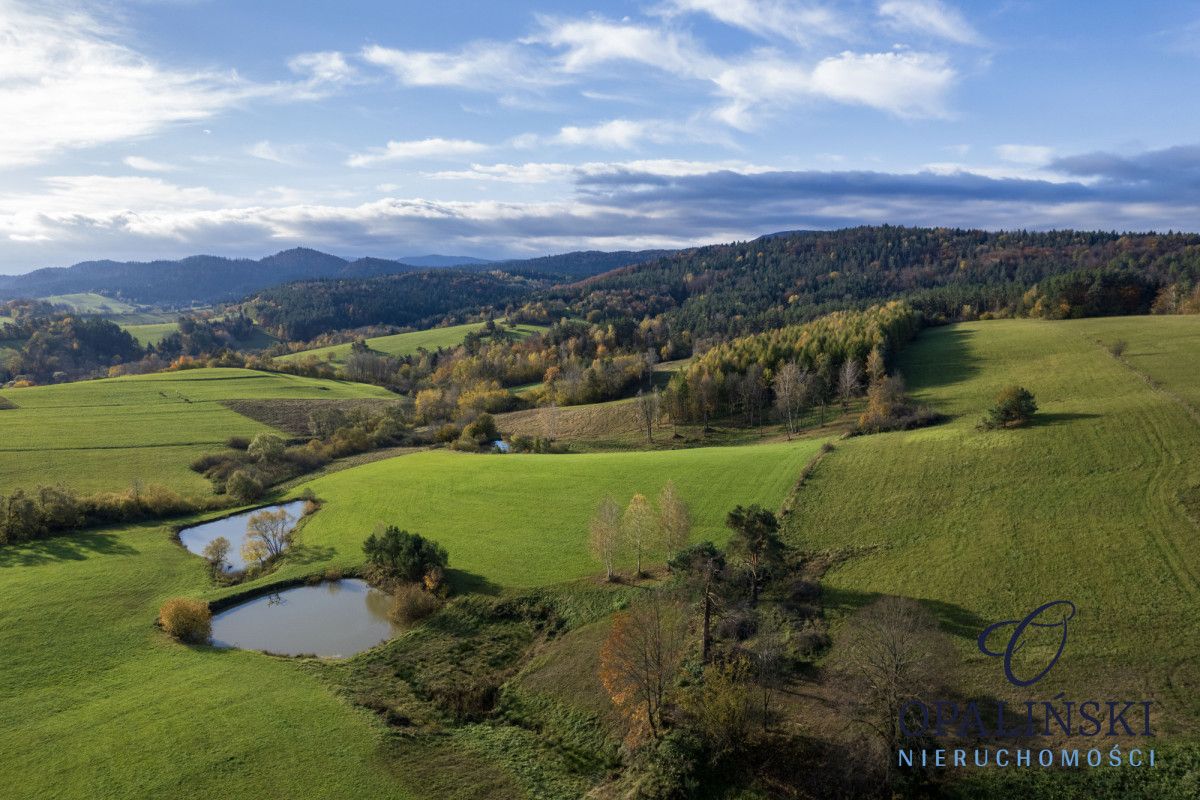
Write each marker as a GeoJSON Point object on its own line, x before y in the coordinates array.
{"type": "Point", "coordinates": [186, 619]}
{"type": "Point", "coordinates": [48, 510]}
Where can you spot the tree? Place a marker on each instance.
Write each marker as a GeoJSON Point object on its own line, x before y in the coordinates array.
{"type": "Point", "coordinates": [267, 447]}
{"type": "Point", "coordinates": [674, 519]}
{"type": "Point", "coordinates": [849, 382]}
{"type": "Point", "coordinates": [1015, 406]}
{"type": "Point", "coordinates": [243, 486]}
{"type": "Point", "coordinates": [702, 567]}
{"type": "Point", "coordinates": [750, 391]}
{"type": "Point", "coordinates": [217, 551]}
{"type": "Point", "coordinates": [876, 368]}
{"type": "Point", "coordinates": [723, 707]}
{"type": "Point", "coordinates": [885, 402]}
{"type": "Point", "coordinates": [639, 528]}
{"type": "Point", "coordinates": [755, 541]}
{"type": "Point", "coordinates": [268, 533]}
{"type": "Point", "coordinates": [604, 534]}
{"type": "Point", "coordinates": [648, 405]}
{"type": "Point", "coordinates": [790, 390]}
{"type": "Point", "coordinates": [404, 556]}
{"type": "Point", "coordinates": [638, 663]}
{"type": "Point", "coordinates": [888, 653]}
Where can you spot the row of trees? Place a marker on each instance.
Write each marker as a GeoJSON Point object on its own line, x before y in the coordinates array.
{"type": "Point", "coordinates": [639, 530]}
{"type": "Point", "coordinates": [49, 510]}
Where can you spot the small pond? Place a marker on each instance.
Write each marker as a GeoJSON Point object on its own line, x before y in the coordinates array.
{"type": "Point", "coordinates": [197, 537]}
{"type": "Point", "coordinates": [334, 619]}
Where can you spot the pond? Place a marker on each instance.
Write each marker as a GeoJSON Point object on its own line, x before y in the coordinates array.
{"type": "Point", "coordinates": [197, 537]}
{"type": "Point", "coordinates": [333, 619]}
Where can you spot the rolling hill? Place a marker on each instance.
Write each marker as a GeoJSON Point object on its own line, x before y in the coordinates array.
{"type": "Point", "coordinates": [1095, 502]}
{"type": "Point", "coordinates": [104, 435]}
{"type": "Point", "coordinates": [404, 344]}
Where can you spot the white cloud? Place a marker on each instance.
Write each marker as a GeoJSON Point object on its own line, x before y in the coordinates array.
{"type": "Point", "coordinates": [905, 84]}
{"type": "Point", "coordinates": [555, 172]}
{"type": "Point", "coordinates": [482, 66]}
{"type": "Point", "coordinates": [591, 43]}
{"type": "Point", "coordinates": [325, 68]}
{"type": "Point", "coordinates": [65, 84]}
{"type": "Point", "coordinates": [800, 23]}
{"type": "Point", "coordinates": [270, 152]}
{"type": "Point", "coordinates": [421, 148]}
{"type": "Point", "coordinates": [147, 164]}
{"type": "Point", "coordinates": [931, 18]}
{"type": "Point", "coordinates": [617, 133]}
{"type": "Point", "coordinates": [1031, 154]}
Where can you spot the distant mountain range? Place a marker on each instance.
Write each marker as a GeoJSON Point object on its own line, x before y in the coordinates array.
{"type": "Point", "coordinates": [212, 279]}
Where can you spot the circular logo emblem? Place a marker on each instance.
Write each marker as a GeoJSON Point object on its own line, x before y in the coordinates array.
{"type": "Point", "coordinates": [1054, 614]}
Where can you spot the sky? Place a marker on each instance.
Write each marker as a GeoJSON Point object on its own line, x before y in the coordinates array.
{"type": "Point", "coordinates": [142, 129]}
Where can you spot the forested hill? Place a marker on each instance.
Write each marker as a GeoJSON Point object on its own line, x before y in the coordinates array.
{"type": "Point", "coordinates": [299, 311]}
{"type": "Point", "coordinates": [946, 273]}
{"type": "Point", "coordinates": [579, 264]}
{"type": "Point", "coordinates": [212, 279]}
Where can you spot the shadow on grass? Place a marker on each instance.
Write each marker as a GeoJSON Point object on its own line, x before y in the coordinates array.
{"type": "Point", "coordinates": [67, 547]}
{"type": "Point", "coordinates": [1042, 420]}
{"type": "Point", "coordinates": [938, 357]}
{"type": "Point", "coordinates": [306, 554]}
{"type": "Point", "coordinates": [954, 619]}
{"type": "Point", "coordinates": [463, 582]}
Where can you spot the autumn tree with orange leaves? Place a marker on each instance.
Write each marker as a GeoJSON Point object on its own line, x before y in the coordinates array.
{"type": "Point", "coordinates": [638, 664]}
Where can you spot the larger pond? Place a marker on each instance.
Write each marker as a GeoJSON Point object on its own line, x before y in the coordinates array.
{"type": "Point", "coordinates": [334, 619]}
{"type": "Point", "coordinates": [197, 537]}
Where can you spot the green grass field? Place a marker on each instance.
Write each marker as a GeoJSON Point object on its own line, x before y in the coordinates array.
{"type": "Point", "coordinates": [152, 332]}
{"type": "Point", "coordinates": [1083, 505]}
{"type": "Point", "coordinates": [102, 435]}
{"type": "Point", "coordinates": [98, 703]}
{"type": "Point", "coordinates": [491, 512]}
{"type": "Point", "coordinates": [405, 344]}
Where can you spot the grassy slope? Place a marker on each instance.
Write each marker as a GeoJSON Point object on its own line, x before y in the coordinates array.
{"type": "Point", "coordinates": [404, 344]}
{"type": "Point", "coordinates": [1083, 505]}
{"type": "Point", "coordinates": [151, 333]}
{"type": "Point", "coordinates": [97, 703]}
{"type": "Point", "coordinates": [101, 435]}
{"type": "Point", "coordinates": [493, 513]}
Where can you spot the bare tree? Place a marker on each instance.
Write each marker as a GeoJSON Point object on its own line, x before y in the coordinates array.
{"type": "Point", "coordinates": [888, 653]}
{"type": "Point", "coordinates": [604, 534]}
{"type": "Point", "coordinates": [268, 533]}
{"type": "Point", "coordinates": [639, 661]}
{"type": "Point", "coordinates": [849, 382]}
{"type": "Point", "coordinates": [674, 519]}
{"type": "Point", "coordinates": [790, 390]}
{"type": "Point", "coordinates": [751, 390]}
{"type": "Point", "coordinates": [639, 528]}
{"type": "Point", "coordinates": [648, 405]}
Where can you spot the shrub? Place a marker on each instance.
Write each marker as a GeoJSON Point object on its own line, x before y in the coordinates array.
{"type": "Point", "coordinates": [411, 603]}
{"type": "Point", "coordinates": [482, 430]}
{"type": "Point", "coordinates": [404, 556]}
{"type": "Point", "coordinates": [447, 433]}
{"type": "Point", "coordinates": [243, 486]}
{"type": "Point", "coordinates": [187, 619]}
{"type": "Point", "coordinates": [267, 447]}
{"type": "Point", "coordinates": [1014, 406]}
{"type": "Point", "coordinates": [237, 443]}
{"type": "Point", "coordinates": [1117, 348]}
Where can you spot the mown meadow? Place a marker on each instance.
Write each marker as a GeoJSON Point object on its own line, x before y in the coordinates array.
{"type": "Point", "coordinates": [103, 435]}
{"type": "Point", "coordinates": [1088, 503]}
{"type": "Point", "coordinates": [405, 344]}
{"type": "Point", "coordinates": [145, 716]}
{"type": "Point", "coordinates": [1091, 503]}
